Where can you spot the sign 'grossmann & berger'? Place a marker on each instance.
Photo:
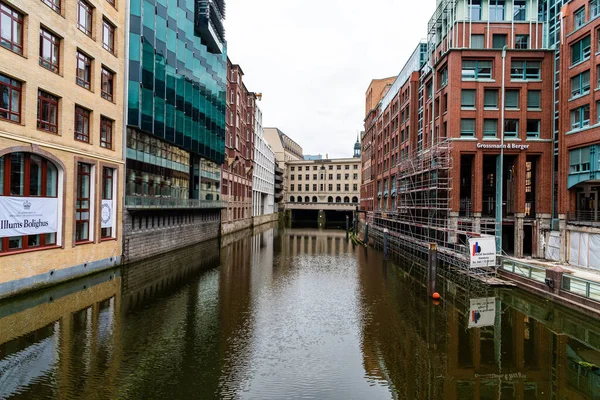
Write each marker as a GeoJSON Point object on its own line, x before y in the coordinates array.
{"type": "Point", "coordinates": [28, 215]}
{"type": "Point", "coordinates": [506, 146]}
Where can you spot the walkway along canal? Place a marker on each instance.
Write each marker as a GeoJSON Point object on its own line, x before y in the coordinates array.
{"type": "Point", "coordinates": [289, 314]}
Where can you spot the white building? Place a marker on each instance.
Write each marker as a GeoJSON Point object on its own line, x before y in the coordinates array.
{"type": "Point", "coordinates": [263, 183]}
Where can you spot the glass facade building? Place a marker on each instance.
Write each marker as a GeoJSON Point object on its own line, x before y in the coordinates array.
{"type": "Point", "coordinates": [176, 89]}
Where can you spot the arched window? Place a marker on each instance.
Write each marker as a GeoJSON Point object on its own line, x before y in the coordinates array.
{"type": "Point", "coordinates": [292, 199]}
{"type": "Point", "coordinates": [299, 199]}
{"type": "Point", "coordinates": [346, 199]}
{"type": "Point", "coordinates": [306, 199]}
{"type": "Point", "coordinates": [355, 199]}
{"type": "Point", "coordinates": [34, 178]}
{"type": "Point", "coordinates": [338, 199]}
{"type": "Point", "coordinates": [330, 199]}
{"type": "Point", "coordinates": [315, 199]}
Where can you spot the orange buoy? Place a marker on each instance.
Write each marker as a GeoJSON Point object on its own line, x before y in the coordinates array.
{"type": "Point", "coordinates": [436, 302]}
{"type": "Point", "coordinates": [436, 296]}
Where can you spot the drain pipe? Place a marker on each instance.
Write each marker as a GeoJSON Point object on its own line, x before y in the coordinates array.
{"type": "Point", "coordinates": [500, 162]}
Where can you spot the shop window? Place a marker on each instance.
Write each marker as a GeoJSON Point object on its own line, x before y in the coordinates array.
{"type": "Point", "coordinates": [30, 176]}
{"type": "Point", "coordinates": [83, 203]}
{"type": "Point", "coordinates": [108, 188]}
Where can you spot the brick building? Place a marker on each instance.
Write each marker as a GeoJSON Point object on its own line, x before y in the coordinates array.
{"type": "Point", "coordinates": [61, 156]}
{"type": "Point", "coordinates": [239, 147]}
{"type": "Point", "coordinates": [458, 105]}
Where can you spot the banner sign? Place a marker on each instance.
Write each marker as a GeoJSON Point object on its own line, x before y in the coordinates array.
{"type": "Point", "coordinates": [107, 215]}
{"type": "Point", "coordinates": [482, 252]}
{"type": "Point", "coordinates": [482, 312]}
{"type": "Point", "coordinates": [28, 215]}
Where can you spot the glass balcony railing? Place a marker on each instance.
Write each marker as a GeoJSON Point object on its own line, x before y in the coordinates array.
{"type": "Point", "coordinates": [139, 202]}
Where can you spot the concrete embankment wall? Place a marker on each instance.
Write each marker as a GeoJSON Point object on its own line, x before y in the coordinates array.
{"type": "Point", "coordinates": [240, 225]}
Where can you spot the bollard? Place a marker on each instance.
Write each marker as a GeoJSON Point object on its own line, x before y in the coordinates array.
{"type": "Point", "coordinates": [432, 271]}
{"type": "Point", "coordinates": [366, 234]}
{"type": "Point", "coordinates": [347, 226]}
{"type": "Point", "coordinates": [385, 244]}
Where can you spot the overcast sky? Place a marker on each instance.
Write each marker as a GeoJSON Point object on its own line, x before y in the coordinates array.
{"type": "Point", "coordinates": [313, 60]}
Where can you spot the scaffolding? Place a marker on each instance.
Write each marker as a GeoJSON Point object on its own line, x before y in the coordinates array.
{"type": "Point", "coordinates": [424, 214]}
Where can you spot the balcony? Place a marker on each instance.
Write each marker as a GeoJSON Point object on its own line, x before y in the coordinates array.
{"type": "Point", "coordinates": [586, 218]}
{"type": "Point", "coordinates": [209, 24]}
{"type": "Point", "coordinates": [161, 203]}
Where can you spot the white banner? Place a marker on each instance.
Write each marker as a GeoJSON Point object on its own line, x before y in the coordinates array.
{"type": "Point", "coordinates": [28, 215]}
{"type": "Point", "coordinates": [482, 312]}
{"type": "Point", "coordinates": [107, 215]}
{"type": "Point", "coordinates": [482, 251]}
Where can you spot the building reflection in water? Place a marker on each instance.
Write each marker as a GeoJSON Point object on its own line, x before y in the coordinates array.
{"type": "Point", "coordinates": [176, 326]}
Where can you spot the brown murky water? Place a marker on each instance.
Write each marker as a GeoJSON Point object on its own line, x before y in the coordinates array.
{"type": "Point", "coordinates": [285, 315]}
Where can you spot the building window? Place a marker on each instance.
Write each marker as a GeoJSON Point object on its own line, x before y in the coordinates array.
{"type": "Point", "coordinates": [533, 128]}
{"type": "Point", "coordinates": [10, 99]}
{"type": "Point", "coordinates": [467, 127]}
{"type": "Point", "coordinates": [490, 98]}
{"type": "Point", "coordinates": [107, 194]}
{"type": "Point", "coordinates": [444, 77]}
{"type": "Point", "coordinates": [108, 36]}
{"type": "Point", "coordinates": [524, 70]}
{"type": "Point", "coordinates": [84, 70]}
{"type": "Point", "coordinates": [53, 4]}
{"type": "Point", "coordinates": [83, 203]}
{"type": "Point", "coordinates": [292, 187]}
{"type": "Point", "coordinates": [47, 119]}
{"type": "Point", "coordinates": [534, 99]}
{"type": "Point", "coordinates": [580, 51]}
{"type": "Point", "coordinates": [330, 187]}
{"type": "Point", "coordinates": [467, 98]}
{"type": "Point", "coordinates": [519, 13]}
{"type": "Point", "coordinates": [512, 99]}
{"type": "Point", "coordinates": [498, 41]}
{"type": "Point", "coordinates": [521, 42]}
{"type": "Point", "coordinates": [111, 2]}
{"type": "Point", "coordinates": [580, 117]}
{"type": "Point", "coordinates": [292, 177]}
{"type": "Point", "coordinates": [476, 69]}
{"type": "Point", "coordinates": [11, 29]}
{"type": "Point", "coordinates": [82, 124]}
{"type": "Point", "coordinates": [106, 133]}
{"type": "Point", "coordinates": [338, 187]}
{"type": "Point", "coordinates": [347, 187]}
{"type": "Point", "coordinates": [306, 187]}
{"type": "Point", "coordinates": [580, 84]}
{"type": "Point", "coordinates": [107, 84]}
{"type": "Point", "coordinates": [511, 127]}
{"type": "Point", "coordinates": [496, 10]}
{"type": "Point", "coordinates": [477, 41]}
{"type": "Point", "coordinates": [27, 175]}
{"type": "Point", "coordinates": [579, 160]}
{"type": "Point", "coordinates": [49, 50]}
{"type": "Point", "coordinates": [315, 177]}
{"type": "Point", "coordinates": [475, 10]}
{"type": "Point", "coordinates": [490, 127]}
{"type": "Point", "coordinates": [314, 187]}
{"type": "Point", "coordinates": [579, 17]}
{"type": "Point", "coordinates": [307, 177]}
{"type": "Point", "coordinates": [84, 17]}
{"type": "Point", "coordinates": [594, 8]}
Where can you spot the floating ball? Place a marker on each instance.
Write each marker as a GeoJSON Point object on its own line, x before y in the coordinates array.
{"type": "Point", "coordinates": [435, 296]}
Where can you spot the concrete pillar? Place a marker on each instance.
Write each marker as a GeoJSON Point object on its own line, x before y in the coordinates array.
{"type": "Point", "coordinates": [477, 221]}
{"type": "Point", "coordinates": [453, 227]}
{"type": "Point", "coordinates": [519, 234]}
{"type": "Point", "coordinates": [564, 238]}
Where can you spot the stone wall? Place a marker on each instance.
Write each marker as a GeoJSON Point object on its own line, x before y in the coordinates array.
{"type": "Point", "coordinates": [239, 225]}
{"type": "Point", "coordinates": [149, 233]}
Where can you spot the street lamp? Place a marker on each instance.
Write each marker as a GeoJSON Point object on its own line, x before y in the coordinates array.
{"type": "Point", "coordinates": [500, 161]}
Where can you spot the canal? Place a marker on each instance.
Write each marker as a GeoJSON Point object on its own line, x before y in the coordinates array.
{"type": "Point", "coordinates": [292, 313]}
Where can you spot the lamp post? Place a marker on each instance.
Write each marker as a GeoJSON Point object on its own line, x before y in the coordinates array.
{"type": "Point", "coordinates": [500, 161]}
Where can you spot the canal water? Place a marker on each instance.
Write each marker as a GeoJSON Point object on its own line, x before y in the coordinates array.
{"type": "Point", "coordinates": [289, 314]}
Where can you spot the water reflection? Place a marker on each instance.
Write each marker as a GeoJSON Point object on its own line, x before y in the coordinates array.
{"type": "Point", "coordinates": [296, 313]}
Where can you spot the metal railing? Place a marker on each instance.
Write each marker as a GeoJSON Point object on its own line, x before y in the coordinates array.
{"type": "Point", "coordinates": [584, 217]}
{"type": "Point", "coordinates": [581, 287]}
{"type": "Point", "coordinates": [530, 271]}
{"type": "Point", "coordinates": [138, 202]}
